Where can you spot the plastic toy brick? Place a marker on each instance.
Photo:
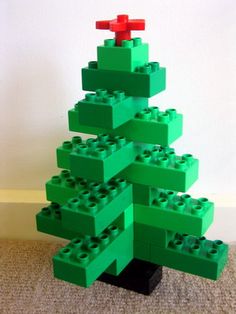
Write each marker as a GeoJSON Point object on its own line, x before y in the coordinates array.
{"type": "Point", "coordinates": [161, 167]}
{"type": "Point", "coordinates": [48, 220]}
{"type": "Point", "coordinates": [64, 151]}
{"type": "Point", "coordinates": [194, 255]}
{"type": "Point", "coordinates": [124, 253]}
{"type": "Point", "coordinates": [102, 158]}
{"type": "Point", "coordinates": [160, 127]}
{"type": "Point", "coordinates": [95, 208]}
{"type": "Point", "coordinates": [142, 250]}
{"type": "Point", "coordinates": [144, 194]}
{"type": "Point", "coordinates": [109, 110]}
{"type": "Point", "coordinates": [177, 213]}
{"type": "Point", "coordinates": [146, 81]}
{"type": "Point", "coordinates": [150, 234]}
{"type": "Point", "coordinates": [127, 57]}
{"type": "Point", "coordinates": [83, 260]}
{"type": "Point", "coordinates": [64, 186]}
{"type": "Point", "coordinates": [122, 27]}
{"type": "Point", "coordinates": [139, 276]}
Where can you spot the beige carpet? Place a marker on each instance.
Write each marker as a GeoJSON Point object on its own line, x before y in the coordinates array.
{"type": "Point", "coordinates": [27, 286]}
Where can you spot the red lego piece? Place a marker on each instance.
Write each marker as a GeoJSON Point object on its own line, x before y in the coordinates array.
{"type": "Point", "coordinates": [122, 27]}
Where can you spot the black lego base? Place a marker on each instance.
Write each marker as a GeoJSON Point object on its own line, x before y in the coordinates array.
{"type": "Point", "coordinates": [138, 276]}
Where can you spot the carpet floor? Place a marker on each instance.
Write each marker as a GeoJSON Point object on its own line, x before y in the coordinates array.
{"type": "Point", "coordinates": [27, 286]}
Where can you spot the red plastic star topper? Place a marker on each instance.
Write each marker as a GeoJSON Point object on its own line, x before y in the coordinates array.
{"type": "Point", "coordinates": [122, 27]}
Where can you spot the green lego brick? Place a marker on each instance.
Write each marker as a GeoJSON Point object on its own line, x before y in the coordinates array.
{"type": "Point", "coordinates": [146, 81]}
{"type": "Point", "coordinates": [63, 152]}
{"type": "Point", "coordinates": [94, 209]}
{"type": "Point", "coordinates": [142, 250]}
{"type": "Point", "coordinates": [151, 234]}
{"type": "Point", "coordinates": [124, 253]}
{"type": "Point", "coordinates": [48, 220]}
{"type": "Point", "coordinates": [64, 186]}
{"type": "Point", "coordinates": [160, 127]}
{"type": "Point", "coordinates": [193, 255]}
{"type": "Point", "coordinates": [144, 194]}
{"type": "Point", "coordinates": [160, 167]}
{"type": "Point", "coordinates": [84, 259]}
{"type": "Point", "coordinates": [102, 158]}
{"type": "Point", "coordinates": [127, 57]}
{"type": "Point", "coordinates": [177, 213]}
{"type": "Point", "coordinates": [109, 110]}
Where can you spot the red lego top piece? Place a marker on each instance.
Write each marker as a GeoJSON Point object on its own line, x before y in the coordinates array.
{"type": "Point", "coordinates": [122, 27]}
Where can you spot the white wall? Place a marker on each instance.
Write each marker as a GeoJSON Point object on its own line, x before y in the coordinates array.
{"type": "Point", "coordinates": [45, 44]}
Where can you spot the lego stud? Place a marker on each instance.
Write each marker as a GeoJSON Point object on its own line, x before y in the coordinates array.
{"type": "Point", "coordinates": [122, 27]}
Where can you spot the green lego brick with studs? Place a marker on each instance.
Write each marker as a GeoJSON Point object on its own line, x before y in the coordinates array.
{"type": "Point", "coordinates": [161, 127]}
{"type": "Point", "coordinates": [63, 152]}
{"type": "Point", "coordinates": [146, 81]}
{"type": "Point", "coordinates": [105, 110]}
{"type": "Point", "coordinates": [179, 213]}
{"type": "Point", "coordinates": [152, 234]}
{"type": "Point", "coordinates": [127, 57]}
{"type": "Point", "coordinates": [101, 158]}
{"type": "Point", "coordinates": [64, 186]}
{"type": "Point", "coordinates": [96, 207]}
{"type": "Point", "coordinates": [49, 221]}
{"type": "Point", "coordinates": [84, 259]}
{"type": "Point", "coordinates": [193, 255]}
{"type": "Point", "coordinates": [161, 167]}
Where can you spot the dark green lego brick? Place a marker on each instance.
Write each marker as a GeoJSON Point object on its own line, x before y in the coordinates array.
{"type": "Point", "coordinates": [146, 81]}
{"type": "Point", "coordinates": [127, 57]}
{"type": "Point", "coordinates": [101, 158]}
{"type": "Point", "coordinates": [109, 110]}
{"type": "Point", "coordinates": [151, 234]}
{"type": "Point", "coordinates": [63, 152]}
{"type": "Point", "coordinates": [179, 213]}
{"type": "Point", "coordinates": [142, 250]}
{"type": "Point", "coordinates": [144, 194]}
{"type": "Point", "coordinates": [160, 167]}
{"type": "Point", "coordinates": [84, 259]}
{"type": "Point", "coordinates": [48, 220]}
{"type": "Point", "coordinates": [64, 186]}
{"type": "Point", "coordinates": [149, 126]}
{"type": "Point", "coordinates": [95, 208]}
{"type": "Point", "coordinates": [193, 255]}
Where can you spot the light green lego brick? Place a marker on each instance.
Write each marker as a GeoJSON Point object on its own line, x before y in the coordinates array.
{"type": "Point", "coordinates": [142, 250]}
{"type": "Point", "coordinates": [94, 209]}
{"type": "Point", "coordinates": [48, 220]}
{"type": "Point", "coordinates": [126, 218]}
{"type": "Point", "coordinates": [108, 110]}
{"type": "Point", "coordinates": [127, 57]}
{"type": "Point", "coordinates": [179, 213]}
{"type": "Point", "coordinates": [193, 255]}
{"type": "Point", "coordinates": [161, 127]}
{"type": "Point", "coordinates": [161, 167]}
{"type": "Point", "coordinates": [146, 81]}
{"type": "Point", "coordinates": [151, 234]}
{"type": "Point", "coordinates": [102, 158]}
{"type": "Point", "coordinates": [84, 259]}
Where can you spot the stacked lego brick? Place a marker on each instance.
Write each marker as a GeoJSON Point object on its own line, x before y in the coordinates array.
{"type": "Point", "coordinates": [116, 198]}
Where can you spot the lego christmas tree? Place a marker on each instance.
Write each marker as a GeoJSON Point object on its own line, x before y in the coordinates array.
{"type": "Point", "coordinates": [117, 198]}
